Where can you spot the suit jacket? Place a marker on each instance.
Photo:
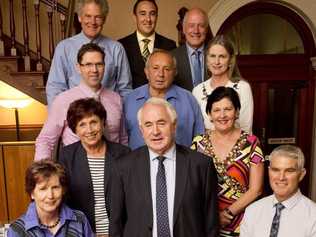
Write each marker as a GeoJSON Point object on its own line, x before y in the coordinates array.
{"type": "Point", "coordinates": [184, 76]}
{"type": "Point", "coordinates": [135, 58]}
{"type": "Point", "coordinates": [195, 202]}
{"type": "Point", "coordinates": [80, 194]}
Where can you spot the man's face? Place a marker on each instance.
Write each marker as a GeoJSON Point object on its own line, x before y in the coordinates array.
{"type": "Point", "coordinates": [195, 28]}
{"type": "Point", "coordinates": [284, 177]}
{"type": "Point", "coordinates": [91, 69]}
{"type": "Point", "coordinates": [160, 72]}
{"type": "Point", "coordinates": [91, 20]}
{"type": "Point", "coordinates": [157, 128]}
{"type": "Point", "coordinates": [146, 18]}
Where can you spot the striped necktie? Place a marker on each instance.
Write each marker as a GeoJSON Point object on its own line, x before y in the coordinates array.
{"type": "Point", "coordinates": [145, 52]}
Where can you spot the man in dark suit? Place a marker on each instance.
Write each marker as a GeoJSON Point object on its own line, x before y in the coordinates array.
{"type": "Point", "coordinates": [163, 189]}
{"type": "Point", "coordinates": [191, 60]}
{"type": "Point", "coordinates": [141, 43]}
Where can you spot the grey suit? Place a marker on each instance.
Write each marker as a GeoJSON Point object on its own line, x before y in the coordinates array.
{"type": "Point", "coordinates": [195, 201]}
{"type": "Point", "coordinates": [184, 75]}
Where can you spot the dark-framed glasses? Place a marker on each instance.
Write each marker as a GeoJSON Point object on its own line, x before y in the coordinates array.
{"type": "Point", "coordinates": [92, 65]}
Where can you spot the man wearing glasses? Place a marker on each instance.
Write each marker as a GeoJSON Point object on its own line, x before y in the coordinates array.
{"type": "Point", "coordinates": [91, 67]}
{"type": "Point", "coordinates": [63, 74]}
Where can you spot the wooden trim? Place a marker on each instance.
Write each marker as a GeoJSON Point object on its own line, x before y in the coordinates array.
{"type": "Point", "coordinates": [22, 126]}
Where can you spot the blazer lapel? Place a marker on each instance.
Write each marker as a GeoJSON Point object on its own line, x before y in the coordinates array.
{"type": "Point", "coordinates": [182, 165]}
{"type": "Point", "coordinates": [144, 178]}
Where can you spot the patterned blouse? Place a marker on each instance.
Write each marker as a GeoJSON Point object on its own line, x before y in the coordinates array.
{"type": "Point", "coordinates": [232, 173]}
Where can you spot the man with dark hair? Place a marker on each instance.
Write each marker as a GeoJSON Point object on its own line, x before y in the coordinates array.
{"type": "Point", "coordinates": [91, 67]}
{"type": "Point", "coordinates": [141, 43]}
{"type": "Point", "coordinates": [163, 189]}
{"type": "Point", "coordinates": [63, 74]}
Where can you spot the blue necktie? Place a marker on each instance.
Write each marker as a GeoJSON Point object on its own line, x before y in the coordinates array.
{"type": "Point", "coordinates": [276, 220]}
{"type": "Point", "coordinates": [163, 229]}
{"type": "Point", "coordinates": [197, 69]}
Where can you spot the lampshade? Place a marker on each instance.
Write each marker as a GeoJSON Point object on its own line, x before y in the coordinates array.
{"type": "Point", "coordinates": [15, 103]}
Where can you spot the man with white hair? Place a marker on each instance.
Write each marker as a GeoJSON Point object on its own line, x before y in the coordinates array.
{"type": "Point", "coordinates": [163, 189]}
{"type": "Point", "coordinates": [63, 74]}
{"type": "Point", "coordinates": [286, 213]}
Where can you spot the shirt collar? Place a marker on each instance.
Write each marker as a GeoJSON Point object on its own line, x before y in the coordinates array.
{"type": "Point", "coordinates": [169, 154]}
{"type": "Point", "coordinates": [90, 93]}
{"type": "Point", "coordinates": [96, 40]}
{"type": "Point", "coordinates": [144, 93]}
{"type": "Point", "coordinates": [191, 50]}
{"type": "Point", "coordinates": [32, 220]}
{"type": "Point", "coordinates": [140, 37]}
{"type": "Point", "coordinates": [291, 202]}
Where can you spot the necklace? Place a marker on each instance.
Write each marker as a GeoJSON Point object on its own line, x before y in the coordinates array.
{"type": "Point", "coordinates": [50, 226]}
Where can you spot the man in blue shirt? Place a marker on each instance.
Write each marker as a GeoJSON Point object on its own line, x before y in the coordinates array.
{"type": "Point", "coordinates": [160, 70]}
{"type": "Point", "coordinates": [63, 74]}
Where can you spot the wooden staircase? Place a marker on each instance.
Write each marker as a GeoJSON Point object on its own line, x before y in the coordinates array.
{"type": "Point", "coordinates": [21, 67]}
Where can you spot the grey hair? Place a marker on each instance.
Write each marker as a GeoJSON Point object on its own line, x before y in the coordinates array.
{"type": "Point", "coordinates": [289, 151]}
{"type": "Point", "coordinates": [104, 5]}
{"type": "Point", "coordinates": [155, 51]}
{"type": "Point", "coordinates": [158, 101]}
{"type": "Point", "coordinates": [195, 9]}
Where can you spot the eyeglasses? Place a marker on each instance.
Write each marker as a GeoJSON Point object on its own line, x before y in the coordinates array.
{"type": "Point", "coordinates": [93, 65]}
{"type": "Point", "coordinates": [97, 19]}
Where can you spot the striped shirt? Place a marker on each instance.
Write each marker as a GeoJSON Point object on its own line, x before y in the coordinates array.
{"type": "Point", "coordinates": [96, 165]}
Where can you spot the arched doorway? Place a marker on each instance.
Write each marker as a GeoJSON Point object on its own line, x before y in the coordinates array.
{"type": "Point", "coordinates": [282, 82]}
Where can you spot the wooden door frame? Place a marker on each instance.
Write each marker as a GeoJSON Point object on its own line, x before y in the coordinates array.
{"type": "Point", "coordinates": [298, 68]}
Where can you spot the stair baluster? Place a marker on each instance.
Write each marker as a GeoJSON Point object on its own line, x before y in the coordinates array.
{"type": "Point", "coordinates": [50, 32]}
{"type": "Point", "coordinates": [12, 29]}
{"type": "Point", "coordinates": [27, 59]}
{"type": "Point", "coordinates": [39, 65]}
{"type": "Point", "coordinates": [1, 35]}
{"type": "Point", "coordinates": [63, 26]}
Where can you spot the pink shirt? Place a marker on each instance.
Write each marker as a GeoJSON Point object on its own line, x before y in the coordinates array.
{"type": "Point", "coordinates": [56, 124]}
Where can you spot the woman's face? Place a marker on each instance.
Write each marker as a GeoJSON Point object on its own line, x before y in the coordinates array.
{"type": "Point", "coordinates": [90, 130]}
{"type": "Point", "coordinates": [223, 115]}
{"type": "Point", "coordinates": [47, 195]}
{"type": "Point", "coordinates": [218, 60]}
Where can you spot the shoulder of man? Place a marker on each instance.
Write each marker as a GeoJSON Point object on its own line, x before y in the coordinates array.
{"type": "Point", "coordinates": [168, 44]}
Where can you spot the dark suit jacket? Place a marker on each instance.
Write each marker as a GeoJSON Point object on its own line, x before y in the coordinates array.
{"type": "Point", "coordinates": [135, 58]}
{"type": "Point", "coordinates": [184, 76]}
{"type": "Point", "coordinates": [80, 190]}
{"type": "Point", "coordinates": [195, 202]}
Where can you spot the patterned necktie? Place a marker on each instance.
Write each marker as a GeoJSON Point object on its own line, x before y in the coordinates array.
{"type": "Point", "coordinates": [197, 69]}
{"type": "Point", "coordinates": [163, 229]}
{"type": "Point", "coordinates": [145, 52]}
{"type": "Point", "coordinates": [276, 220]}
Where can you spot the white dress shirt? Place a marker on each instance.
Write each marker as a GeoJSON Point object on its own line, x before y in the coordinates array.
{"type": "Point", "coordinates": [141, 43]}
{"type": "Point", "coordinates": [170, 171]}
{"type": "Point", "coordinates": [298, 218]}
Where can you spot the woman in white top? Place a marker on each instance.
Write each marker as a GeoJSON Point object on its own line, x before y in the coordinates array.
{"type": "Point", "coordinates": [221, 64]}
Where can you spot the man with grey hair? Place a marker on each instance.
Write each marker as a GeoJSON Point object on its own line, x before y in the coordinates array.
{"type": "Point", "coordinates": [160, 70]}
{"type": "Point", "coordinates": [286, 213]}
{"type": "Point", "coordinates": [191, 66]}
{"type": "Point", "coordinates": [63, 74]}
{"type": "Point", "coordinates": [163, 189]}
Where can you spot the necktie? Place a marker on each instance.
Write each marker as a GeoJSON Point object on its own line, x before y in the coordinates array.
{"type": "Point", "coordinates": [276, 220]}
{"type": "Point", "coordinates": [163, 229]}
{"type": "Point", "coordinates": [197, 69]}
{"type": "Point", "coordinates": [145, 52]}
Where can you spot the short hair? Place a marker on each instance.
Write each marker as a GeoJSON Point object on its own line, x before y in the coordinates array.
{"type": "Point", "coordinates": [42, 170]}
{"type": "Point", "coordinates": [233, 73]}
{"type": "Point", "coordinates": [158, 101]}
{"type": "Point", "coordinates": [220, 93]}
{"type": "Point", "coordinates": [195, 9]}
{"type": "Point", "coordinates": [82, 108]}
{"type": "Point", "coordinates": [89, 47]}
{"type": "Point", "coordinates": [156, 51]}
{"type": "Point", "coordinates": [139, 1]}
{"type": "Point", "coordinates": [104, 5]}
{"type": "Point", "coordinates": [289, 151]}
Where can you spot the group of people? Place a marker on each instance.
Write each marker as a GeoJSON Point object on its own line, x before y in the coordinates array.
{"type": "Point", "coordinates": [173, 157]}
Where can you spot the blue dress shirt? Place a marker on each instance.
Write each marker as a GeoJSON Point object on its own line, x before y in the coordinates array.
{"type": "Point", "coordinates": [64, 75]}
{"type": "Point", "coordinates": [189, 123]}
